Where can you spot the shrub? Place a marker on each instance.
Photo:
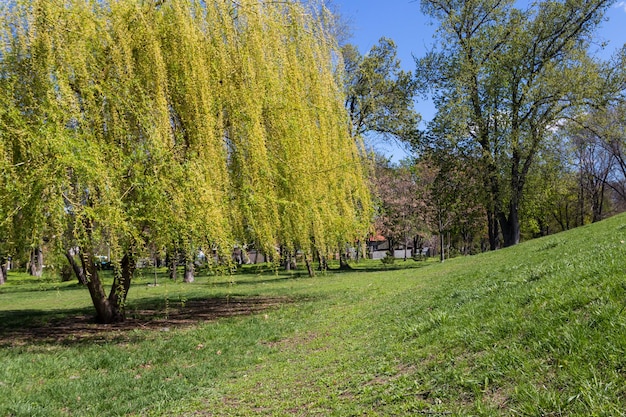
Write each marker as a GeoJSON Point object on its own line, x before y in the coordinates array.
{"type": "Point", "coordinates": [389, 259]}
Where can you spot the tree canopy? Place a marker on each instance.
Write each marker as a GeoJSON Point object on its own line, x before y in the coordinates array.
{"type": "Point", "coordinates": [379, 94]}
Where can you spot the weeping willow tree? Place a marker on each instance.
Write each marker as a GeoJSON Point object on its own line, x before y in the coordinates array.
{"type": "Point", "coordinates": [7, 180]}
{"type": "Point", "coordinates": [138, 125]}
{"type": "Point", "coordinates": [297, 176]}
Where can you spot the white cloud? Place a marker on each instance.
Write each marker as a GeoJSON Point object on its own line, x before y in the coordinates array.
{"type": "Point", "coordinates": [621, 5]}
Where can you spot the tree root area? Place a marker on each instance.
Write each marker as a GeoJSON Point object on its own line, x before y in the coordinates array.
{"type": "Point", "coordinates": [25, 327]}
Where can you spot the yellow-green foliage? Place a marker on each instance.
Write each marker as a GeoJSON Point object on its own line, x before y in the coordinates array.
{"type": "Point", "coordinates": [208, 123]}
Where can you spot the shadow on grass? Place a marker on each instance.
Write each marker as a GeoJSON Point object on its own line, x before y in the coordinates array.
{"type": "Point", "coordinates": [301, 272]}
{"type": "Point", "coordinates": [19, 286]}
{"type": "Point", "coordinates": [75, 326]}
{"type": "Point", "coordinates": [245, 275]}
{"type": "Point", "coordinates": [266, 272]}
{"type": "Point", "coordinates": [78, 326]}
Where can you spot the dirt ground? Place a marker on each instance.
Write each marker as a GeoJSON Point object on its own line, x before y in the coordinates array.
{"type": "Point", "coordinates": [83, 328]}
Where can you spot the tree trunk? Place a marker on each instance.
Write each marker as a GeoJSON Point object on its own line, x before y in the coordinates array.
{"type": "Point", "coordinates": [78, 271]}
{"type": "Point", "coordinates": [287, 262]}
{"type": "Point", "coordinates": [172, 264]}
{"type": "Point", "coordinates": [598, 201]}
{"type": "Point", "coordinates": [581, 200]}
{"type": "Point", "coordinates": [323, 267]}
{"type": "Point", "coordinates": [189, 272]}
{"type": "Point", "coordinates": [510, 226]}
{"type": "Point", "coordinates": [494, 231]}
{"type": "Point", "coordinates": [442, 251]}
{"type": "Point", "coordinates": [493, 205]}
{"type": "Point", "coordinates": [406, 244]}
{"type": "Point", "coordinates": [293, 260]}
{"type": "Point", "coordinates": [120, 287]}
{"type": "Point", "coordinates": [3, 271]}
{"type": "Point", "coordinates": [391, 251]}
{"type": "Point", "coordinates": [105, 311]}
{"type": "Point", "coordinates": [36, 262]}
{"type": "Point", "coordinates": [309, 267]}
{"type": "Point", "coordinates": [343, 262]}
{"type": "Point", "coordinates": [288, 259]}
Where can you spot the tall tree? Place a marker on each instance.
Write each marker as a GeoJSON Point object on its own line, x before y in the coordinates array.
{"type": "Point", "coordinates": [7, 201]}
{"type": "Point", "coordinates": [595, 164]}
{"type": "Point", "coordinates": [450, 194]}
{"type": "Point", "coordinates": [379, 94]}
{"type": "Point", "coordinates": [597, 140]}
{"type": "Point", "coordinates": [504, 77]}
{"type": "Point", "coordinates": [615, 139]}
{"type": "Point", "coordinates": [551, 203]}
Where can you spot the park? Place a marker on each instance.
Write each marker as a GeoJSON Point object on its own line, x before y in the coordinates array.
{"type": "Point", "coordinates": [194, 221]}
{"type": "Point", "coordinates": [536, 329]}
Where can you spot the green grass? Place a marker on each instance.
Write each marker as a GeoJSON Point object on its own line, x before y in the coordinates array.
{"type": "Point", "coordinates": [534, 330]}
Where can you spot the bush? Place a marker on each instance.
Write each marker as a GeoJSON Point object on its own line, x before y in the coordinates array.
{"type": "Point", "coordinates": [66, 273]}
{"type": "Point", "coordinates": [389, 259]}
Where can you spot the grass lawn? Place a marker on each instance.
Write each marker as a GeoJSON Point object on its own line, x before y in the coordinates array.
{"type": "Point", "coordinates": [534, 330]}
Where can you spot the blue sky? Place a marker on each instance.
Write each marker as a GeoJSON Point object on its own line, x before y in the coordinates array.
{"type": "Point", "coordinates": [402, 21]}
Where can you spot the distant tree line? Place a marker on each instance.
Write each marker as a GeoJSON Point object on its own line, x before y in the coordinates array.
{"type": "Point", "coordinates": [529, 134]}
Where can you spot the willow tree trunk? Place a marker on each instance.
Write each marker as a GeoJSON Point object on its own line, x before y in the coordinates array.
{"type": "Point", "coordinates": [343, 259]}
{"type": "Point", "coordinates": [309, 266]}
{"type": "Point", "coordinates": [323, 266]}
{"type": "Point", "coordinates": [3, 271]}
{"type": "Point", "coordinates": [287, 262]}
{"type": "Point", "coordinates": [78, 270]}
{"type": "Point", "coordinates": [172, 264]}
{"type": "Point", "coordinates": [343, 262]}
{"type": "Point", "coordinates": [36, 262]}
{"type": "Point", "coordinates": [104, 311]}
{"type": "Point", "coordinates": [121, 285]}
{"type": "Point", "coordinates": [189, 275]}
{"type": "Point", "coordinates": [108, 309]}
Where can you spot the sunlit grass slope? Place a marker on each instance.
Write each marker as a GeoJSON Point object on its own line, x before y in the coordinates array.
{"type": "Point", "coordinates": [538, 329]}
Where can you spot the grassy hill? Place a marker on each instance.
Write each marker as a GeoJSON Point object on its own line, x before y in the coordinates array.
{"type": "Point", "coordinates": [534, 330]}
